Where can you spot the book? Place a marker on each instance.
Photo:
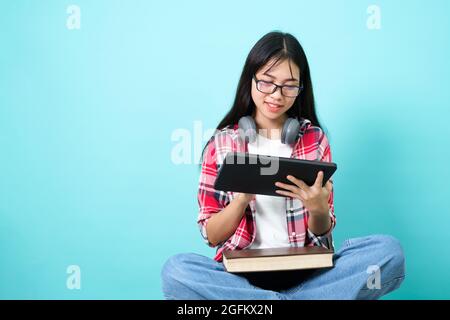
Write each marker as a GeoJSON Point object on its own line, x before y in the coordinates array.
{"type": "Point", "coordinates": [277, 259]}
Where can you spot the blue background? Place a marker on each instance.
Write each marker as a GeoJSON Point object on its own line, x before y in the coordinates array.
{"type": "Point", "coordinates": [87, 116]}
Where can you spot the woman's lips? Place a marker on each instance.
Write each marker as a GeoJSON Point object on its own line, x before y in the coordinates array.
{"type": "Point", "coordinates": [273, 107]}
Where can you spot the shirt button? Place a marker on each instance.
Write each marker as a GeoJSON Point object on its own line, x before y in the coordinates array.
{"type": "Point", "coordinates": [293, 233]}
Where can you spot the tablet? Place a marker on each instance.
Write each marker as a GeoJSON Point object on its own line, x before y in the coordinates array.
{"type": "Point", "coordinates": [256, 174]}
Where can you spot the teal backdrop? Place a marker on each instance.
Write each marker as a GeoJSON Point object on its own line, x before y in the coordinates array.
{"type": "Point", "coordinates": [88, 119]}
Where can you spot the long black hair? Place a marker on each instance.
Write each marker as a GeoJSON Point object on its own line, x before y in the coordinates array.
{"type": "Point", "coordinates": [276, 46]}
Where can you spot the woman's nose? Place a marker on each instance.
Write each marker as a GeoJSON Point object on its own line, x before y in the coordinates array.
{"type": "Point", "coordinates": [277, 94]}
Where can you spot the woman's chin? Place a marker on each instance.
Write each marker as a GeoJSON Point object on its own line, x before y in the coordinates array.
{"type": "Point", "coordinates": [273, 116]}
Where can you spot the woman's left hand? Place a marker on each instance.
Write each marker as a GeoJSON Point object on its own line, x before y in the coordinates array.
{"type": "Point", "coordinates": [314, 198]}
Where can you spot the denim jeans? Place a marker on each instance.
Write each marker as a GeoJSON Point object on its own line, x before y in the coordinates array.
{"type": "Point", "coordinates": [364, 268]}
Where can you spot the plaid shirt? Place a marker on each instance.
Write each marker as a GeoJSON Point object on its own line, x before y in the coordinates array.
{"type": "Point", "coordinates": [311, 144]}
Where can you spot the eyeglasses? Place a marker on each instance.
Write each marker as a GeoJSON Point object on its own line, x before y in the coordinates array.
{"type": "Point", "coordinates": [270, 87]}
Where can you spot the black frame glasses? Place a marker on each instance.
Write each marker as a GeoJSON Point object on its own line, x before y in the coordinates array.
{"type": "Point", "coordinates": [275, 87]}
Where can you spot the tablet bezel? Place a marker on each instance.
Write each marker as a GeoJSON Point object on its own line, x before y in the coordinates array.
{"type": "Point", "coordinates": [238, 167]}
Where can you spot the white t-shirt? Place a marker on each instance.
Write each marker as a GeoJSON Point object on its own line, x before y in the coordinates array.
{"type": "Point", "coordinates": [271, 225]}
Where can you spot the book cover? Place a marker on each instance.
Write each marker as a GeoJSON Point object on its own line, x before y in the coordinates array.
{"type": "Point", "coordinates": [275, 259]}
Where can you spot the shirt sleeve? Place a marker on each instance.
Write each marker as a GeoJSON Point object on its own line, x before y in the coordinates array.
{"type": "Point", "coordinates": [326, 239]}
{"type": "Point", "coordinates": [210, 201]}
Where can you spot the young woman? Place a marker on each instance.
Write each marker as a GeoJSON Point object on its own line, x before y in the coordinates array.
{"type": "Point", "coordinates": [275, 98]}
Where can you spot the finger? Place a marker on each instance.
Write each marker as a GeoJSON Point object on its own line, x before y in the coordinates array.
{"type": "Point", "coordinates": [298, 182]}
{"type": "Point", "coordinates": [319, 179]}
{"type": "Point", "coordinates": [289, 187]}
{"type": "Point", "coordinates": [292, 188]}
{"type": "Point", "coordinates": [329, 186]}
{"type": "Point", "coordinates": [303, 188]}
{"type": "Point", "coordinates": [289, 194]}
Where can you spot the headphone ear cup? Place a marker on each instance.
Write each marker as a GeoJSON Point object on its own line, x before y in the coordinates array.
{"type": "Point", "coordinates": [290, 131]}
{"type": "Point", "coordinates": [247, 129]}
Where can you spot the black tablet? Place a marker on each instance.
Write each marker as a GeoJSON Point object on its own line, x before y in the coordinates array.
{"type": "Point", "coordinates": [257, 174]}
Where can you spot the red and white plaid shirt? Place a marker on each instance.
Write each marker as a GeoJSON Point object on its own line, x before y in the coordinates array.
{"type": "Point", "coordinates": [311, 144]}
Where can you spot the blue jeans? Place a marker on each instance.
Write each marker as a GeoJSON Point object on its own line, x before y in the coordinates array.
{"type": "Point", "coordinates": [191, 276]}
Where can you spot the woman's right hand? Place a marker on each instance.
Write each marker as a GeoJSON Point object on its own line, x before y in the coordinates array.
{"type": "Point", "coordinates": [244, 197]}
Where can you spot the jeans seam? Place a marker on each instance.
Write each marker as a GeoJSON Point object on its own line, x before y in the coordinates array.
{"type": "Point", "coordinates": [294, 290]}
